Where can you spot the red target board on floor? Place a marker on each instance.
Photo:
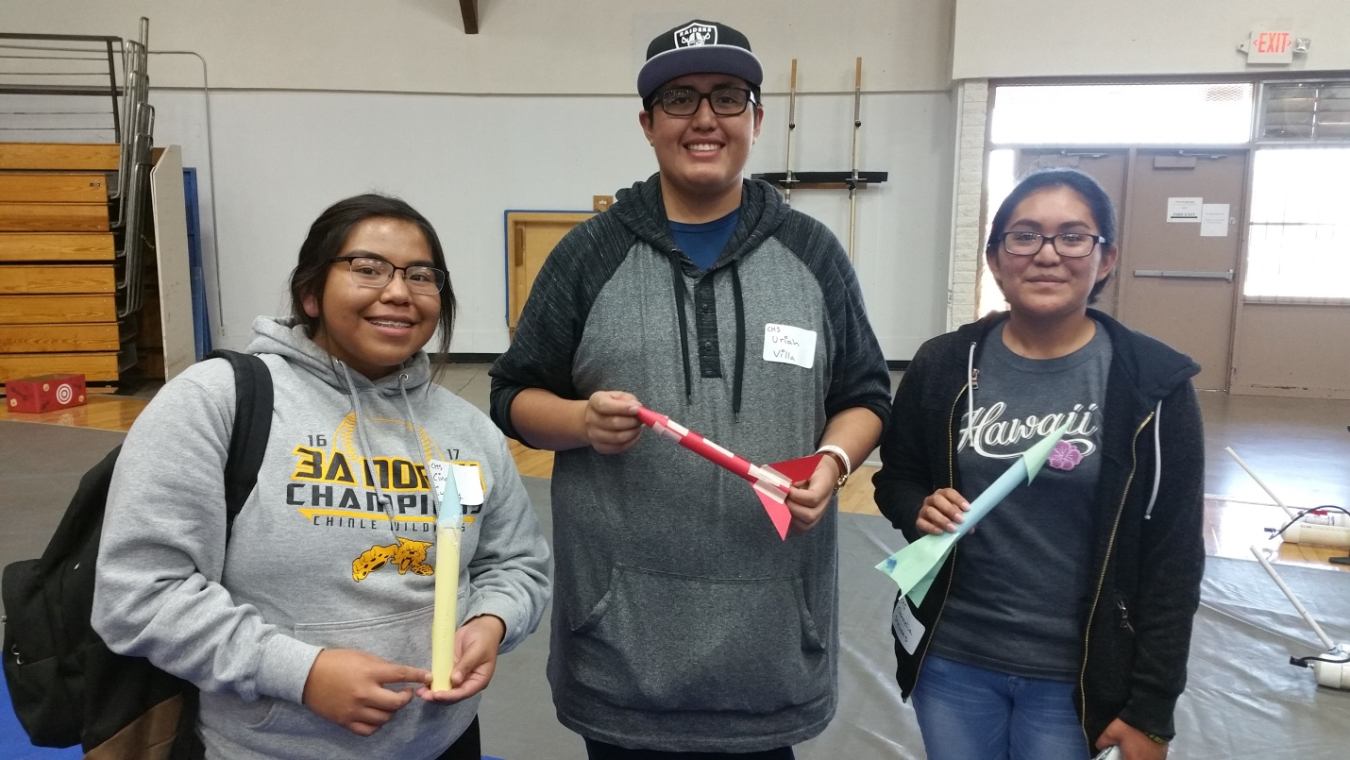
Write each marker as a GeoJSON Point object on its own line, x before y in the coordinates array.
{"type": "Point", "coordinates": [34, 395]}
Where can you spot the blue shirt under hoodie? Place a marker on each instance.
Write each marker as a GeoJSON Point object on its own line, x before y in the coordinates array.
{"type": "Point", "coordinates": [313, 562]}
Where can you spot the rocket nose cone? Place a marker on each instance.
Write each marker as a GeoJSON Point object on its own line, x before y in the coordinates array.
{"type": "Point", "coordinates": [1035, 457]}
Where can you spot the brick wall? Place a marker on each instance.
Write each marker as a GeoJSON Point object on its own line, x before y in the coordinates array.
{"type": "Point", "coordinates": [967, 230]}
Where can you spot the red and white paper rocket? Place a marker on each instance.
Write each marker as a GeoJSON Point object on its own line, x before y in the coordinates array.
{"type": "Point", "coordinates": [771, 482]}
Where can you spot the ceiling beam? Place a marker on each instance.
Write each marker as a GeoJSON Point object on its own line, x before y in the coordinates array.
{"type": "Point", "coordinates": [470, 10]}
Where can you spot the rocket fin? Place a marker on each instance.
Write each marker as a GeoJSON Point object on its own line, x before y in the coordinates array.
{"type": "Point", "coordinates": [778, 512]}
{"type": "Point", "coordinates": [797, 470]}
{"type": "Point", "coordinates": [914, 567]}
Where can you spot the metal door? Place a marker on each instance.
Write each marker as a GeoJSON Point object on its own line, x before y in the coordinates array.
{"type": "Point", "coordinates": [1179, 256]}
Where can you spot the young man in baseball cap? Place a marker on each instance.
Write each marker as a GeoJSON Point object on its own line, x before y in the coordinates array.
{"type": "Point", "coordinates": [682, 622]}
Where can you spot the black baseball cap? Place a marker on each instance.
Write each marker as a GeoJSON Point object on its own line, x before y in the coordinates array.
{"type": "Point", "coordinates": [698, 47]}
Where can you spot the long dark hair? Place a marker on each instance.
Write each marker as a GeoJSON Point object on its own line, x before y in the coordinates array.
{"type": "Point", "coordinates": [1098, 202]}
{"type": "Point", "coordinates": [325, 240]}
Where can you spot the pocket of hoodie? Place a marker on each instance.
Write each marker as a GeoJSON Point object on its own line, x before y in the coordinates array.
{"type": "Point", "coordinates": [665, 641]}
{"type": "Point", "coordinates": [403, 639]}
{"type": "Point", "coordinates": [1113, 647]}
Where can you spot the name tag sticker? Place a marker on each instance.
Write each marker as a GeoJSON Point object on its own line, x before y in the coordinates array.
{"type": "Point", "coordinates": [907, 628]}
{"type": "Point", "coordinates": [437, 471]}
{"type": "Point", "coordinates": [786, 344]}
{"type": "Point", "coordinates": [469, 481]}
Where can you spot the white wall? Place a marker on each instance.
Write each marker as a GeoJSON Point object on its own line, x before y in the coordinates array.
{"type": "Point", "coordinates": [1049, 38]}
{"type": "Point", "coordinates": [524, 46]}
{"type": "Point", "coordinates": [281, 157]}
{"type": "Point", "coordinates": [315, 100]}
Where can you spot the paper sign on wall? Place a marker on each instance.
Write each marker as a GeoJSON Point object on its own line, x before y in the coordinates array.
{"type": "Point", "coordinates": [1184, 209]}
{"type": "Point", "coordinates": [1214, 220]}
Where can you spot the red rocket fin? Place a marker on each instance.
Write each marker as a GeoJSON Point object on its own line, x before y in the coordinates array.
{"type": "Point", "coordinates": [797, 470]}
{"type": "Point", "coordinates": [794, 470]}
{"type": "Point", "coordinates": [778, 513]}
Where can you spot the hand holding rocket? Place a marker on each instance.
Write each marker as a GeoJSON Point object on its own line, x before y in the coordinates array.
{"type": "Point", "coordinates": [914, 567]}
{"type": "Point", "coordinates": [445, 614]}
{"type": "Point", "coordinates": [771, 482]}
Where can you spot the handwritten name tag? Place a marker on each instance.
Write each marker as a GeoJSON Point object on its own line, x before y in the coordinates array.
{"type": "Point", "coordinates": [465, 479]}
{"type": "Point", "coordinates": [789, 345]}
{"type": "Point", "coordinates": [908, 630]}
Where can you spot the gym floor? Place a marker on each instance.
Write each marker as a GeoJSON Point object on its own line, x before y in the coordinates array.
{"type": "Point", "coordinates": [1244, 634]}
{"type": "Point", "coordinates": [1300, 449]}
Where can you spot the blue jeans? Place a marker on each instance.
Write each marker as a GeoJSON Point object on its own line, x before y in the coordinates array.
{"type": "Point", "coordinates": [970, 713]}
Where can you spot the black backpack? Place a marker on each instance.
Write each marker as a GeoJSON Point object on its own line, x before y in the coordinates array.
{"type": "Point", "coordinates": [68, 688]}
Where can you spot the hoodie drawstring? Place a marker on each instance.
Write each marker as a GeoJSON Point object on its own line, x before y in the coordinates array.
{"type": "Point", "coordinates": [677, 278]}
{"type": "Point", "coordinates": [417, 442]}
{"type": "Point", "coordinates": [739, 380]}
{"type": "Point", "coordinates": [970, 391]}
{"type": "Point", "coordinates": [1157, 461]}
{"type": "Point", "coordinates": [386, 504]}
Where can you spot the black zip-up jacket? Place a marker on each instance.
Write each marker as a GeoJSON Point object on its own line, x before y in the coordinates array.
{"type": "Point", "coordinates": [1148, 552]}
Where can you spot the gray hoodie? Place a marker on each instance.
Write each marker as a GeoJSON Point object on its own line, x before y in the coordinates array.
{"type": "Point", "coordinates": [682, 622]}
{"type": "Point", "coordinates": [313, 560]}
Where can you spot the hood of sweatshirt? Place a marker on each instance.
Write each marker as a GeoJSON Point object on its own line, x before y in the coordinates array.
{"type": "Point", "coordinates": [642, 210]}
{"type": "Point", "coordinates": [283, 337]}
{"type": "Point", "coordinates": [1155, 369]}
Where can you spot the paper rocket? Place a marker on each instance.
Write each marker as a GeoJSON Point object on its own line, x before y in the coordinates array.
{"type": "Point", "coordinates": [445, 613]}
{"type": "Point", "coordinates": [914, 567]}
{"type": "Point", "coordinates": [771, 482]}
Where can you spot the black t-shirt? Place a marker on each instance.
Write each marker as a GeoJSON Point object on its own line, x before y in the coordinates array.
{"type": "Point", "coordinates": [1023, 573]}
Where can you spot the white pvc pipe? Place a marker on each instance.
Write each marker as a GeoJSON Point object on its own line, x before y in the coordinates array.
{"type": "Point", "coordinates": [1270, 570]}
{"type": "Point", "coordinates": [1259, 482]}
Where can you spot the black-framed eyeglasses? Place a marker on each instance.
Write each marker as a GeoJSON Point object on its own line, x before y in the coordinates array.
{"type": "Point", "coordinates": [725, 101]}
{"type": "Point", "coordinates": [377, 273]}
{"type": "Point", "coordinates": [1071, 245]}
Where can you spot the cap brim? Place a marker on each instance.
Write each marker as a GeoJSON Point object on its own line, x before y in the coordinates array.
{"type": "Point", "coordinates": [702, 59]}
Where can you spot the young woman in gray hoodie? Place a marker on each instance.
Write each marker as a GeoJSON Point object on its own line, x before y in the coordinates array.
{"type": "Point", "coordinates": [308, 627]}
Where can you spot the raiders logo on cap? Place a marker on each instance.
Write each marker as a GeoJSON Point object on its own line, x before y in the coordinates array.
{"type": "Point", "coordinates": [698, 47]}
{"type": "Point", "coordinates": [696, 34]}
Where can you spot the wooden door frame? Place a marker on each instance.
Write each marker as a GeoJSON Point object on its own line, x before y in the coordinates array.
{"type": "Point", "coordinates": [514, 223]}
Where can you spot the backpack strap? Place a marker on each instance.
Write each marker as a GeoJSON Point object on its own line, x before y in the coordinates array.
{"type": "Point", "coordinates": [252, 427]}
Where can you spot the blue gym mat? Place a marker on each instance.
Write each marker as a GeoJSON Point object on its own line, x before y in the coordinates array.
{"type": "Point", "coordinates": [14, 744]}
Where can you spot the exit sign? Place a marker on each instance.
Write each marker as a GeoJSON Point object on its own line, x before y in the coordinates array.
{"type": "Point", "coordinates": [1270, 47]}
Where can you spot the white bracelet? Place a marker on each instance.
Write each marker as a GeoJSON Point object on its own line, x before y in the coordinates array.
{"type": "Point", "coordinates": [848, 463]}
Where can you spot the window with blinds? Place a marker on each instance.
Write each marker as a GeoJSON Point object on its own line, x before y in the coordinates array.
{"type": "Point", "coordinates": [1304, 112]}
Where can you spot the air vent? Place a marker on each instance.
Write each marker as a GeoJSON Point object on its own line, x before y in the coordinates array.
{"type": "Point", "coordinates": [1305, 112]}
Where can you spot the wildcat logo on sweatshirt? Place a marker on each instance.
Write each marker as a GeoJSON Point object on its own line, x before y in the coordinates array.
{"type": "Point", "coordinates": [406, 555]}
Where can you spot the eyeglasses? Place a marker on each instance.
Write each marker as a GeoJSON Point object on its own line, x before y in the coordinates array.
{"type": "Point", "coordinates": [1071, 245]}
{"type": "Point", "coordinates": [725, 101]}
{"type": "Point", "coordinates": [377, 273]}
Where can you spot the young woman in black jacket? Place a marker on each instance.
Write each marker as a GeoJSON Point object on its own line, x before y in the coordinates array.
{"type": "Point", "coordinates": [1061, 625]}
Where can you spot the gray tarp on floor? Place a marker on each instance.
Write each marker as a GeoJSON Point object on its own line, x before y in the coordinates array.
{"type": "Point", "coordinates": [1243, 700]}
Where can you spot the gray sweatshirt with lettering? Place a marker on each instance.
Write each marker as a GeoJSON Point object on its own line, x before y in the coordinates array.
{"type": "Point", "coordinates": [315, 560]}
{"type": "Point", "coordinates": [682, 622]}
